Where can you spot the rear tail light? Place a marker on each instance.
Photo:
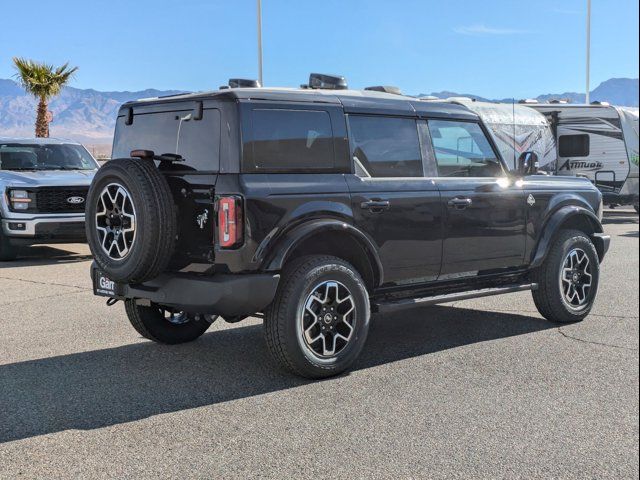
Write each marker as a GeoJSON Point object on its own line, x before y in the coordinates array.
{"type": "Point", "coordinates": [230, 231]}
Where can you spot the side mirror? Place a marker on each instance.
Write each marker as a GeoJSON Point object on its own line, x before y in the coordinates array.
{"type": "Point", "coordinates": [528, 163]}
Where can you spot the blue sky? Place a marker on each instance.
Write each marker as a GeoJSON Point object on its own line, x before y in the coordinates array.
{"type": "Point", "coordinates": [494, 48]}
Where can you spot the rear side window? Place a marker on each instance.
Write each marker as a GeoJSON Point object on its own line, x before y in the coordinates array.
{"type": "Point", "coordinates": [385, 146]}
{"type": "Point", "coordinates": [292, 140]}
{"type": "Point", "coordinates": [573, 145]}
{"type": "Point", "coordinates": [198, 141]}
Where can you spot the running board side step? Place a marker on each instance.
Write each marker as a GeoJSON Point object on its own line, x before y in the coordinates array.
{"type": "Point", "coordinates": [393, 305]}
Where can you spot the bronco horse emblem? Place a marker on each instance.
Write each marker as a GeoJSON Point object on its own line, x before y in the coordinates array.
{"type": "Point", "coordinates": [201, 219]}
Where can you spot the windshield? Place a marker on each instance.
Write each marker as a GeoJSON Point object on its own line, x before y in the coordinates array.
{"type": "Point", "coordinates": [15, 156]}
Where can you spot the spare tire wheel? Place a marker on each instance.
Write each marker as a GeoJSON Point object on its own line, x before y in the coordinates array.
{"type": "Point", "coordinates": [131, 220]}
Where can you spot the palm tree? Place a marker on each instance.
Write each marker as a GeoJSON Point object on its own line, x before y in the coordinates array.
{"type": "Point", "coordinates": [43, 81]}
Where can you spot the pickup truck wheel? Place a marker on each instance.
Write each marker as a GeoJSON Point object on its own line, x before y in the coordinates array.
{"type": "Point", "coordinates": [318, 323]}
{"type": "Point", "coordinates": [165, 326]}
{"type": "Point", "coordinates": [568, 278]}
{"type": "Point", "coordinates": [7, 252]}
{"type": "Point", "coordinates": [131, 220]}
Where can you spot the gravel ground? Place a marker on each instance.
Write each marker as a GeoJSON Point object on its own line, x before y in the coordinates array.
{"type": "Point", "coordinates": [480, 389]}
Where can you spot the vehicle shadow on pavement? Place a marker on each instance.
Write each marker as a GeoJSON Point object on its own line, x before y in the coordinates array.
{"type": "Point", "coordinates": [100, 388]}
{"type": "Point", "coordinates": [44, 255]}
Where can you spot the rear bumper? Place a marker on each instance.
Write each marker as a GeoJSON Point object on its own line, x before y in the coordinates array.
{"type": "Point", "coordinates": [225, 295]}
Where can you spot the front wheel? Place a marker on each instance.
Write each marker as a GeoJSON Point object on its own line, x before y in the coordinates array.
{"type": "Point", "coordinates": [318, 323]}
{"type": "Point", "coordinates": [166, 326]}
{"type": "Point", "coordinates": [568, 278]}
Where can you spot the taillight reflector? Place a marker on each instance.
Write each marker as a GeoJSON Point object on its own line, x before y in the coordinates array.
{"type": "Point", "coordinates": [229, 221]}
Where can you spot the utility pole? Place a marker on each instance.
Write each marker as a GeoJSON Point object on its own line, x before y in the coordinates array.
{"type": "Point", "coordinates": [260, 42]}
{"type": "Point", "coordinates": [588, 48]}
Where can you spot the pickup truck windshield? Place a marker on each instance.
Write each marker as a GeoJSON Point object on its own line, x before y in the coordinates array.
{"type": "Point", "coordinates": [15, 156]}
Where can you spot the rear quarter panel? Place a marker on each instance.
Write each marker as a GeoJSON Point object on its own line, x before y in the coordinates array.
{"type": "Point", "coordinates": [275, 204]}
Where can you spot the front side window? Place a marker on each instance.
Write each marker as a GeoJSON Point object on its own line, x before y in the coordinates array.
{"type": "Point", "coordinates": [385, 146]}
{"type": "Point", "coordinates": [463, 150]}
{"type": "Point", "coordinates": [292, 140]}
{"type": "Point", "coordinates": [14, 156]}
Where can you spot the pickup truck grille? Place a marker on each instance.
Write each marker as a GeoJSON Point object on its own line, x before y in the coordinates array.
{"type": "Point", "coordinates": [61, 200]}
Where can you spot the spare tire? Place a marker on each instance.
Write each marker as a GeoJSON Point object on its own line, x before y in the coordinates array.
{"type": "Point", "coordinates": [131, 220]}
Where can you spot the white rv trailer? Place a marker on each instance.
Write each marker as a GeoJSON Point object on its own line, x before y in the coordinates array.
{"type": "Point", "coordinates": [515, 128]}
{"type": "Point", "coordinates": [599, 142]}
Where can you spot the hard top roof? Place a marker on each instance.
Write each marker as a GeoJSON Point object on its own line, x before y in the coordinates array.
{"type": "Point", "coordinates": [352, 100]}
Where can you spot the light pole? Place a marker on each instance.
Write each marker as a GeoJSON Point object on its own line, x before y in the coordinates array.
{"type": "Point", "coordinates": [259, 6]}
{"type": "Point", "coordinates": [588, 48]}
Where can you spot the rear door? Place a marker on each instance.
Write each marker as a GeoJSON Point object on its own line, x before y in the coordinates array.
{"type": "Point", "coordinates": [392, 200]}
{"type": "Point", "coordinates": [485, 220]}
{"type": "Point", "coordinates": [193, 131]}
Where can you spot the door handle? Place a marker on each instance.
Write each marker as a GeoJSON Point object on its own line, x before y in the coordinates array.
{"type": "Point", "coordinates": [460, 203]}
{"type": "Point", "coordinates": [375, 205]}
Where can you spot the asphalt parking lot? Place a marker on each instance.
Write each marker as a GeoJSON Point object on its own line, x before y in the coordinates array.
{"type": "Point", "coordinates": [482, 388]}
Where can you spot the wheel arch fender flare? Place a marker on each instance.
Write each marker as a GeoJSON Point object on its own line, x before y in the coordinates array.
{"type": "Point", "coordinates": [290, 240]}
{"type": "Point", "coordinates": [555, 222]}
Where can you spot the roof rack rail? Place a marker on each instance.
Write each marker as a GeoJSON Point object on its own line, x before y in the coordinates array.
{"type": "Point", "coordinates": [562, 101]}
{"type": "Point", "coordinates": [601, 103]}
{"type": "Point", "coordinates": [385, 89]}
{"type": "Point", "coordinates": [528, 101]}
{"type": "Point", "coordinates": [172, 95]}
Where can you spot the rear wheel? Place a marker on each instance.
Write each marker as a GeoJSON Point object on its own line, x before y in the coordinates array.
{"type": "Point", "coordinates": [568, 279]}
{"type": "Point", "coordinates": [163, 325]}
{"type": "Point", "coordinates": [318, 323]}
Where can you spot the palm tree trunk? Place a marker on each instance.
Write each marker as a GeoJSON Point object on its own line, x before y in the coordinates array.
{"type": "Point", "coordinates": [42, 126]}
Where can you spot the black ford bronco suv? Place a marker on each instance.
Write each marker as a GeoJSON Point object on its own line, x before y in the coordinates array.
{"type": "Point", "coordinates": [315, 207]}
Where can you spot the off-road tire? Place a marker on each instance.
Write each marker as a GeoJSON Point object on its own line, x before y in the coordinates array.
{"type": "Point", "coordinates": [150, 322]}
{"type": "Point", "coordinates": [156, 220]}
{"type": "Point", "coordinates": [7, 251]}
{"type": "Point", "coordinates": [297, 281]}
{"type": "Point", "coordinates": [548, 295]}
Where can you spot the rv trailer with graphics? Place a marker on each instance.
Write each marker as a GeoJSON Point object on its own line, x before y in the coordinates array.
{"type": "Point", "coordinates": [599, 142]}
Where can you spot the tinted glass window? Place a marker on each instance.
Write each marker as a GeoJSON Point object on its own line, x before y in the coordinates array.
{"type": "Point", "coordinates": [573, 145]}
{"type": "Point", "coordinates": [292, 140]}
{"type": "Point", "coordinates": [198, 141]}
{"type": "Point", "coordinates": [385, 146]}
{"type": "Point", "coordinates": [463, 150]}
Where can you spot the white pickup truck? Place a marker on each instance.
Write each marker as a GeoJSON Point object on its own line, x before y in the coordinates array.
{"type": "Point", "coordinates": [43, 187]}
